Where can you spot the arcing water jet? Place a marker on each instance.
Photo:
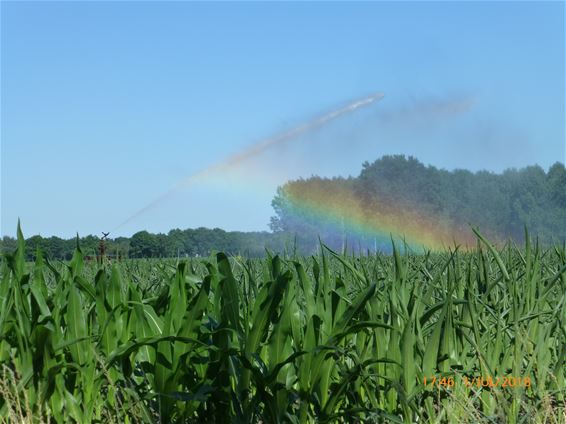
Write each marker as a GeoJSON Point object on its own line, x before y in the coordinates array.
{"type": "Point", "coordinates": [258, 148]}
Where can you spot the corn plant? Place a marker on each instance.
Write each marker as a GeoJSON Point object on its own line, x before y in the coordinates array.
{"type": "Point", "coordinates": [286, 339]}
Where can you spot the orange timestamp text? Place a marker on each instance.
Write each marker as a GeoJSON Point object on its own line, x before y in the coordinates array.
{"type": "Point", "coordinates": [478, 381]}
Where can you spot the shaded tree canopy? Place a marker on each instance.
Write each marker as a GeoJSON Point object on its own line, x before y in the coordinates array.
{"type": "Point", "coordinates": [395, 192]}
{"type": "Point", "coordinates": [189, 242]}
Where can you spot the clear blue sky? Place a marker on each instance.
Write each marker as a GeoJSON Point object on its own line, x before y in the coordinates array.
{"type": "Point", "coordinates": [105, 106]}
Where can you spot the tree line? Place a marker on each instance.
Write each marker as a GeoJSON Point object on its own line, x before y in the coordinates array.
{"type": "Point", "coordinates": [176, 243]}
{"type": "Point", "coordinates": [501, 204]}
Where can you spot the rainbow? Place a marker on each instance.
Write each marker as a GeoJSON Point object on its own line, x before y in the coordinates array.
{"type": "Point", "coordinates": [334, 203]}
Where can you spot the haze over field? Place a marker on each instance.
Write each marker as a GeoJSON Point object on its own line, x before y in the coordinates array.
{"type": "Point", "coordinates": [106, 106]}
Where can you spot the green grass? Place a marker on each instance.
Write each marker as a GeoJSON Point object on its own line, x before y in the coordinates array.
{"type": "Point", "coordinates": [331, 338]}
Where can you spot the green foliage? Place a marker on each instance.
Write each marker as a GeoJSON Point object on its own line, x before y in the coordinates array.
{"type": "Point", "coordinates": [182, 243]}
{"type": "Point", "coordinates": [500, 204]}
{"type": "Point", "coordinates": [284, 339]}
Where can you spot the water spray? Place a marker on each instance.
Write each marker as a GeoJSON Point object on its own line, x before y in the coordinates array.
{"type": "Point", "coordinates": [258, 148]}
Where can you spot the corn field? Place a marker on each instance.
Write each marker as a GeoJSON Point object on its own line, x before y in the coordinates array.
{"type": "Point", "coordinates": [327, 338]}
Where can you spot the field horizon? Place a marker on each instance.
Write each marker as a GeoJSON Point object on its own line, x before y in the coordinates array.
{"type": "Point", "coordinates": [395, 197]}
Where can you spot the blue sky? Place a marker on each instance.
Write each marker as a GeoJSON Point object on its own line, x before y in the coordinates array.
{"type": "Point", "coordinates": [105, 106]}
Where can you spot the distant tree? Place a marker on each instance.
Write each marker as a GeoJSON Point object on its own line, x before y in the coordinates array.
{"type": "Point", "coordinates": [7, 244]}
{"type": "Point", "coordinates": [500, 204]}
{"type": "Point", "coordinates": [33, 244]}
{"type": "Point", "coordinates": [144, 244]}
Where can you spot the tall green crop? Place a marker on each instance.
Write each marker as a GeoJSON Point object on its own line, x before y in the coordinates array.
{"type": "Point", "coordinates": [403, 338]}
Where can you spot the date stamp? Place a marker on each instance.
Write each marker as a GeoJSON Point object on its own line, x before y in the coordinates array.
{"type": "Point", "coordinates": [477, 381]}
